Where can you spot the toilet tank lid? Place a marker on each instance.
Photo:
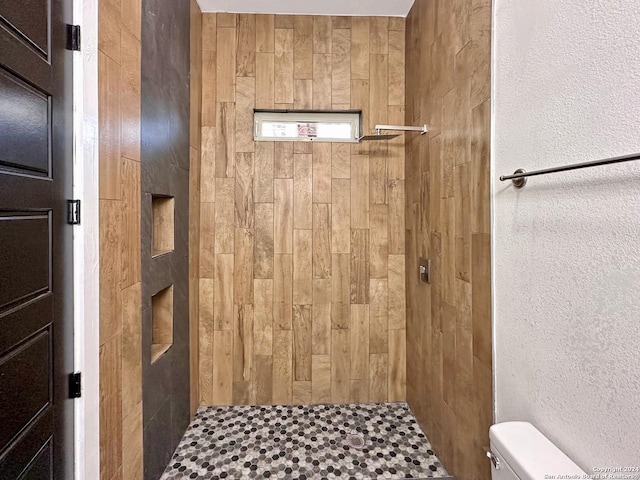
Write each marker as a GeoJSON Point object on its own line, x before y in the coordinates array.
{"type": "Point", "coordinates": [530, 454]}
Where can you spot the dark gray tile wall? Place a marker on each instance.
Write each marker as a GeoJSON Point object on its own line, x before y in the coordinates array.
{"type": "Point", "coordinates": [165, 171]}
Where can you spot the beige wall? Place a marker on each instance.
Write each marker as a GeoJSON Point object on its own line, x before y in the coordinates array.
{"type": "Point", "coordinates": [302, 263]}
{"type": "Point", "coordinates": [449, 321]}
{"type": "Point", "coordinates": [120, 294]}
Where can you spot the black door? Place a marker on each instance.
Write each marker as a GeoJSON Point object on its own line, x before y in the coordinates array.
{"type": "Point", "coordinates": [36, 296]}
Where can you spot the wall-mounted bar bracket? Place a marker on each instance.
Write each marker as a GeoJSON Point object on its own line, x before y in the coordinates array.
{"type": "Point", "coordinates": [519, 182]}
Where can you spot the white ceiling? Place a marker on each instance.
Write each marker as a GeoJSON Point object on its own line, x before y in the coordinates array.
{"type": "Point", "coordinates": [392, 8]}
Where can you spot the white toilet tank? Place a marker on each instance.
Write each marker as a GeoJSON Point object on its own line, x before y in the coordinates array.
{"type": "Point", "coordinates": [520, 452]}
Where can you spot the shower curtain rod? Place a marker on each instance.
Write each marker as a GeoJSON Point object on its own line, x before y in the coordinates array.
{"type": "Point", "coordinates": [519, 177]}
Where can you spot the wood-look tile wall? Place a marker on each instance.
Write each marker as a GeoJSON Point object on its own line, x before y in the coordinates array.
{"type": "Point", "coordinates": [302, 252]}
{"type": "Point", "coordinates": [120, 290]}
{"type": "Point", "coordinates": [449, 322]}
{"type": "Point", "coordinates": [195, 90]}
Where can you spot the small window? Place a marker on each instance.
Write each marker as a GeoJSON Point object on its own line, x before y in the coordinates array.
{"type": "Point", "coordinates": [301, 126]}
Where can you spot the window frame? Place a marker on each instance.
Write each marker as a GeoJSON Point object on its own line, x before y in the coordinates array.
{"type": "Point", "coordinates": [354, 117]}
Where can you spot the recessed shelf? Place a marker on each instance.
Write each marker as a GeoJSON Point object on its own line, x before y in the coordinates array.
{"type": "Point", "coordinates": [163, 213]}
{"type": "Point", "coordinates": [162, 322]}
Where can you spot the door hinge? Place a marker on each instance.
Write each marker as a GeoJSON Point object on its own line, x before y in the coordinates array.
{"type": "Point", "coordinates": [73, 212]}
{"type": "Point", "coordinates": [75, 385]}
{"type": "Point", "coordinates": [73, 41]}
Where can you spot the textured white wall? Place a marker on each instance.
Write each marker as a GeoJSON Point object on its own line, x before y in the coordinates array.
{"type": "Point", "coordinates": [567, 246]}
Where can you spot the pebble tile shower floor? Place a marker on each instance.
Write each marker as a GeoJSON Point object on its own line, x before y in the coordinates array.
{"type": "Point", "coordinates": [305, 442]}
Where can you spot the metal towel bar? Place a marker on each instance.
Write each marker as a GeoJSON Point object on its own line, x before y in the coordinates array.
{"type": "Point", "coordinates": [519, 177]}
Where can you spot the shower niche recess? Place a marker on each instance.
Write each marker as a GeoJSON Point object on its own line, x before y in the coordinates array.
{"type": "Point", "coordinates": [163, 214]}
{"type": "Point", "coordinates": [162, 322]}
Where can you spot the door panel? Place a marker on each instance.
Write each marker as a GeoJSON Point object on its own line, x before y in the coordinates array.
{"type": "Point", "coordinates": [42, 465]}
{"type": "Point", "coordinates": [18, 460]}
{"type": "Point", "coordinates": [36, 289]}
{"type": "Point", "coordinates": [26, 252]}
{"type": "Point", "coordinates": [18, 323]}
{"type": "Point", "coordinates": [26, 110]}
{"type": "Point", "coordinates": [30, 22]}
{"type": "Point", "coordinates": [30, 398]}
